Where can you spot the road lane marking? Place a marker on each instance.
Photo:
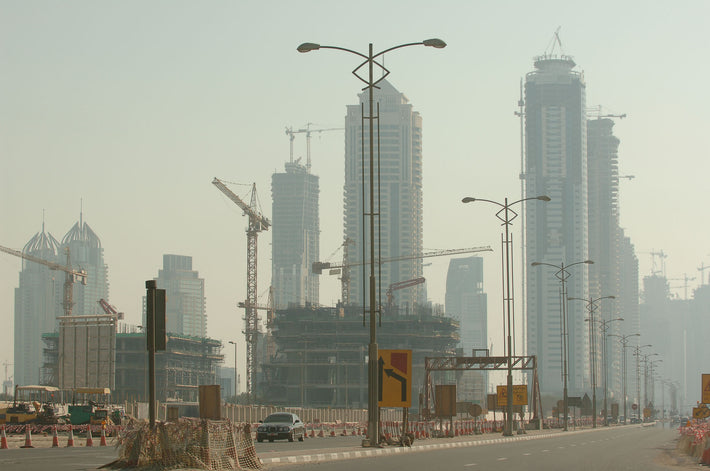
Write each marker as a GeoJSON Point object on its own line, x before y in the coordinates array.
{"type": "Point", "coordinates": [470, 464]}
{"type": "Point", "coordinates": [526, 454]}
{"type": "Point", "coordinates": [502, 459]}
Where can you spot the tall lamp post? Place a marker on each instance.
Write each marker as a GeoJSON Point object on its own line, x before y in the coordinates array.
{"type": "Point", "coordinates": [637, 354]}
{"type": "Point", "coordinates": [652, 377]}
{"type": "Point", "coordinates": [371, 84]}
{"type": "Point", "coordinates": [624, 340]}
{"type": "Point", "coordinates": [507, 215]}
{"type": "Point", "coordinates": [562, 274]}
{"type": "Point", "coordinates": [235, 370]}
{"type": "Point", "coordinates": [591, 305]}
{"type": "Point", "coordinates": [604, 327]}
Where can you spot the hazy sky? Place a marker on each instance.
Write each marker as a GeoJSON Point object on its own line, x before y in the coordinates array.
{"type": "Point", "coordinates": [135, 106]}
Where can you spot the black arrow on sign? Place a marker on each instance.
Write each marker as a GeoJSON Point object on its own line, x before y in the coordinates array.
{"type": "Point", "coordinates": [380, 366]}
{"type": "Point", "coordinates": [403, 381]}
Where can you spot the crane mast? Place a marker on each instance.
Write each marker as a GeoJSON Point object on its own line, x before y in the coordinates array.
{"type": "Point", "coordinates": [71, 276]}
{"type": "Point", "coordinates": [257, 223]}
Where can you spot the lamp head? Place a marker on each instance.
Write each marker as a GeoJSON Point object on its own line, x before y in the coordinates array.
{"type": "Point", "coordinates": [435, 42]}
{"type": "Point", "coordinates": [534, 264]}
{"type": "Point", "coordinates": [543, 198]}
{"type": "Point", "coordinates": [468, 199]}
{"type": "Point", "coordinates": [589, 262]}
{"type": "Point", "coordinates": [308, 47]}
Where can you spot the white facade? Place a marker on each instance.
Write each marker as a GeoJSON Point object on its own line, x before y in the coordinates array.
{"type": "Point", "coordinates": [185, 308]}
{"type": "Point", "coordinates": [556, 231]}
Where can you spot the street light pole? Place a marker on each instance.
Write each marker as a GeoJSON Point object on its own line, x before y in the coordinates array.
{"type": "Point", "coordinates": [591, 305]}
{"type": "Point", "coordinates": [604, 327]}
{"type": "Point", "coordinates": [507, 215]}
{"type": "Point", "coordinates": [624, 339]}
{"type": "Point", "coordinates": [562, 274]}
{"type": "Point", "coordinates": [235, 370]}
{"type": "Point", "coordinates": [369, 59]}
{"type": "Point", "coordinates": [637, 354]}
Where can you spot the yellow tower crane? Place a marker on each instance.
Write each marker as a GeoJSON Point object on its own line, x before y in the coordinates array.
{"type": "Point", "coordinates": [257, 223]}
{"type": "Point", "coordinates": [71, 275]}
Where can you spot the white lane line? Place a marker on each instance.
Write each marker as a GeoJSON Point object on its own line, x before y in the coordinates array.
{"type": "Point", "coordinates": [526, 454]}
{"type": "Point", "coordinates": [470, 464]}
{"type": "Point", "coordinates": [545, 451]}
{"type": "Point", "coordinates": [502, 459]}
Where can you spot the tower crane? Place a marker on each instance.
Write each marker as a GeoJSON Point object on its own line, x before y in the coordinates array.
{"type": "Point", "coordinates": [685, 279]}
{"type": "Point", "coordinates": [308, 131]}
{"type": "Point", "coordinates": [270, 313]}
{"type": "Point", "coordinates": [702, 269]}
{"type": "Point", "coordinates": [400, 285]}
{"type": "Point", "coordinates": [660, 255]}
{"type": "Point", "coordinates": [71, 275]}
{"type": "Point", "coordinates": [257, 223]}
{"type": "Point", "coordinates": [110, 309]}
{"type": "Point", "coordinates": [335, 269]}
{"type": "Point", "coordinates": [599, 113]}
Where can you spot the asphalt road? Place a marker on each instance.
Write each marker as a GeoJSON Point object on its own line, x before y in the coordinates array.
{"type": "Point", "coordinates": [612, 449]}
{"type": "Point", "coordinates": [56, 459]}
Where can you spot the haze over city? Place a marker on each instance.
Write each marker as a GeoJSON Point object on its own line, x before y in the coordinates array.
{"type": "Point", "coordinates": [129, 109]}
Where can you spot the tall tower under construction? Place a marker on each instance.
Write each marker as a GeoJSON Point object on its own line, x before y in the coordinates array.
{"type": "Point", "coordinates": [398, 194]}
{"type": "Point", "coordinates": [295, 236]}
{"type": "Point", "coordinates": [556, 232]}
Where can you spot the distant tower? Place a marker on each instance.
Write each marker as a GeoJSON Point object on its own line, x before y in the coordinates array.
{"type": "Point", "coordinates": [295, 236]}
{"type": "Point", "coordinates": [185, 309]}
{"type": "Point", "coordinates": [37, 305]}
{"type": "Point", "coordinates": [468, 303]}
{"type": "Point", "coordinates": [86, 253]}
{"type": "Point", "coordinates": [556, 232]}
{"type": "Point", "coordinates": [400, 228]}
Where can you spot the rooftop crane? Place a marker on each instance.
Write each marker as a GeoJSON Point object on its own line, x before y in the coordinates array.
{"type": "Point", "coordinates": [400, 285]}
{"type": "Point", "coordinates": [702, 269]}
{"type": "Point", "coordinates": [71, 275]}
{"type": "Point", "coordinates": [110, 309]}
{"type": "Point", "coordinates": [598, 110]}
{"type": "Point", "coordinates": [307, 130]}
{"type": "Point", "coordinates": [257, 223]}
{"type": "Point", "coordinates": [335, 269]}
{"type": "Point", "coordinates": [685, 281]}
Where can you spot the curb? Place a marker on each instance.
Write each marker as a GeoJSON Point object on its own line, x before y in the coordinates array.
{"type": "Point", "coordinates": [416, 448]}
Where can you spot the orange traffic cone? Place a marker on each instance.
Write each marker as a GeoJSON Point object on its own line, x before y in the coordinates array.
{"type": "Point", "coordinates": [103, 436]}
{"type": "Point", "coordinates": [70, 441]}
{"type": "Point", "coordinates": [3, 439]}
{"type": "Point", "coordinates": [55, 438]}
{"type": "Point", "coordinates": [89, 438]}
{"type": "Point", "coordinates": [28, 438]}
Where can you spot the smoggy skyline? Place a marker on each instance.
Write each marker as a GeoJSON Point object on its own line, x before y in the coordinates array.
{"type": "Point", "coordinates": [134, 108]}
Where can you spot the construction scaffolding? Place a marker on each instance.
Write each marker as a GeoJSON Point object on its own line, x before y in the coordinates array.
{"type": "Point", "coordinates": [321, 353]}
{"type": "Point", "coordinates": [186, 363]}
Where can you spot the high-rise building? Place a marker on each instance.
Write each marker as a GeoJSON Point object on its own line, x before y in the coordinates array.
{"type": "Point", "coordinates": [556, 231]}
{"type": "Point", "coordinates": [468, 303]}
{"type": "Point", "coordinates": [37, 306]}
{"type": "Point", "coordinates": [185, 308]}
{"type": "Point", "coordinates": [38, 299]}
{"type": "Point", "coordinates": [295, 236]}
{"type": "Point", "coordinates": [398, 197]}
{"type": "Point", "coordinates": [86, 253]}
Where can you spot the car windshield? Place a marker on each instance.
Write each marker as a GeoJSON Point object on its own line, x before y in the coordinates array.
{"type": "Point", "coordinates": [278, 418]}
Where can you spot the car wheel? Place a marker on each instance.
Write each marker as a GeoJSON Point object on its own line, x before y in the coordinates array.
{"type": "Point", "coordinates": [290, 437]}
{"type": "Point", "coordinates": [259, 440]}
{"type": "Point", "coordinates": [300, 438]}
{"type": "Point", "coordinates": [271, 440]}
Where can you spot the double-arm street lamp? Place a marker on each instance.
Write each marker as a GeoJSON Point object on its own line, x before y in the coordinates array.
{"type": "Point", "coordinates": [507, 215]}
{"type": "Point", "coordinates": [604, 327]}
{"type": "Point", "coordinates": [562, 274]}
{"type": "Point", "coordinates": [637, 354]}
{"type": "Point", "coordinates": [624, 340]}
{"type": "Point", "coordinates": [369, 59]}
{"type": "Point", "coordinates": [592, 306]}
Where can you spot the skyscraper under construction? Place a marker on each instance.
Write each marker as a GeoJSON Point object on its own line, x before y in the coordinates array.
{"type": "Point", "coordinates": [295, 236]}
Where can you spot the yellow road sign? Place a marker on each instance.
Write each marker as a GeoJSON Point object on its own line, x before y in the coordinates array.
{"type": "Point", "coordinates": [520, 395]}
{"type": "Point", "coordinates": [701, 412]}
{"type": "Point", "coordinates": [705, 393]}
{"type": "Point", "coordinates": [394, 378]}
